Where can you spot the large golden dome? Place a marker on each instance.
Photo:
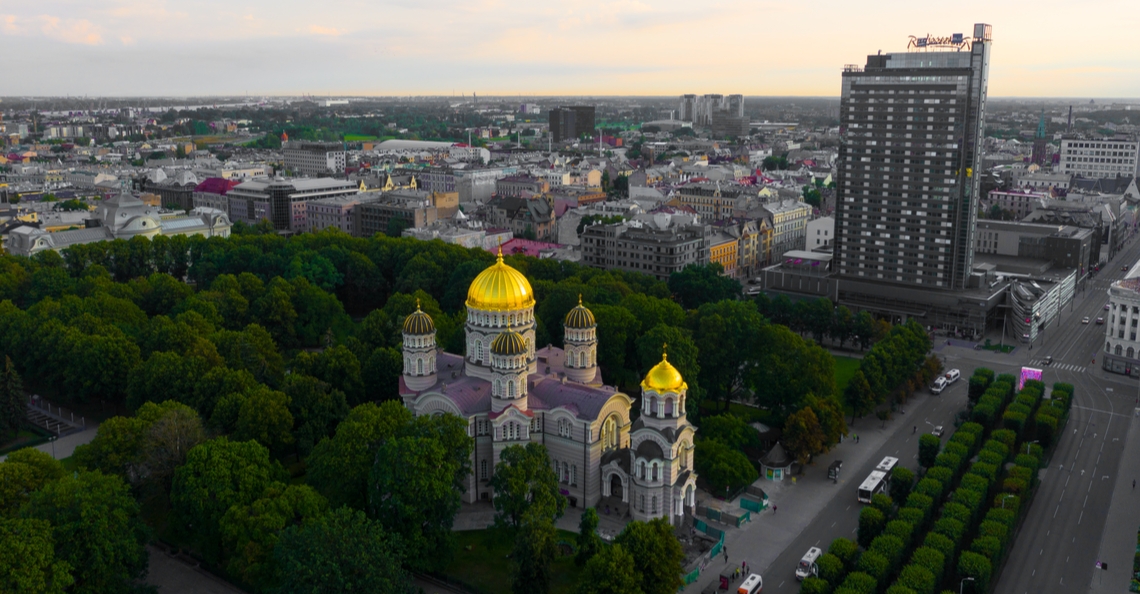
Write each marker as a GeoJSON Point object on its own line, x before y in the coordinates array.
{"type": "Point", "coordinates": [664, 378]}
{"type": "Point", "coordinates": [500, 288]}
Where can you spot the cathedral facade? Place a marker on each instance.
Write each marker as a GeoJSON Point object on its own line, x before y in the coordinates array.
{"type": "Point", "coordinates": [511, 393]}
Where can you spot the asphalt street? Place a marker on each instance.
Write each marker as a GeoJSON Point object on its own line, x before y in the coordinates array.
{"type": "Point", "coordinates": [841, 517]}
{"type": "Point", "coordinates": [1057, 548]}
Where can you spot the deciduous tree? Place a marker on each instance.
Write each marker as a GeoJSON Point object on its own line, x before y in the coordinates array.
{"type": "Point", "coordinates": [27, 558]}
{"type": "Point", "coordinates": [611, 571]}
{"type": "Point", "coordinates": [656, 553]}
{"type": "Point", "coordinates": [524, 483]}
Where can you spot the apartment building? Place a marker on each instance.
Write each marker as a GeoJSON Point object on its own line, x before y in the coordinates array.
{"type": "Point", "coordinates": [314, 159]}
{"type": "Point", "coordinates": [1103, 157]}
{"type": "Point", "coordinates": [655, 249]}
{"type": "Point", "coordinates": [282, 201]}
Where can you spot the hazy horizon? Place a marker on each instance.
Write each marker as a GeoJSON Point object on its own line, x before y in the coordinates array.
{"type": "Point", "coordinates": [508, 48]}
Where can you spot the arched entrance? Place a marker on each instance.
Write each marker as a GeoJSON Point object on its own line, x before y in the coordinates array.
{"type": "Point", "coordinates": [616, 487]}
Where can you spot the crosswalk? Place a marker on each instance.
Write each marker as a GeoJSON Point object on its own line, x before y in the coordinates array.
{"type": "Point", "coordinates": [1061, 366]}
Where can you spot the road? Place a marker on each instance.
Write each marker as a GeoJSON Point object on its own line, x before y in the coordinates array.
{"type": "Point", "coordinates": [1059, 541]}
{"type": "Point", "coordinates": [841, 517]}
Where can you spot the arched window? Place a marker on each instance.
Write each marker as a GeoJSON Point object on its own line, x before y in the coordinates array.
{"type": "Point", "coordinates": [1131, 352]}
{"type": "Point", "coordinates": [668, 407]}
{"type": "Point", "coordinates": [582, 359]}
{"type": "Point", "coordinates": [497, 388]}
{"type": "Point", "coordinates": [510, 389]}
{"type": "Point", "coordinates": [654, 509]}
{"type": "Point", "coordinates": [419, 366]}
{"type": "Point", "coordinates": [483, 469]}
{"type": "Point", "coordinates": [643, 503]}
{"type": "Point", "coordinates": [641, 469]}
{"type": "Point", "coordinates": [1118, 349]}
{"type": "Point", "coordinates": [478, 350]}
{"type": "Point", "coordinates": [1107, 347]}
{"type": "Point", "coordinates": [654, 471]}
{"type": "Point", "coordinates": [653, 406]}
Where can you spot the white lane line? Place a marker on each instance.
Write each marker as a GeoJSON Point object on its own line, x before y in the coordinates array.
{"type": "Point", "coordinates": [1078, 523]}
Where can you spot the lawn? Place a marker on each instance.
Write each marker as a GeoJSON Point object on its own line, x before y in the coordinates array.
{"type": "Point", "coordinates": [845, 368]}
{"type": "Point", "coordinates": [481, 563]}
{"type": "Point", "coordinates": [358, 138]}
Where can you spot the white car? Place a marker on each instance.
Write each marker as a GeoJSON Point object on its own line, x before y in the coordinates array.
{"type": "Point", "coordinates": [952, 376]}
{"type": "Point", "coordinates": [937, 431]}
{"type": "Point", "coordinates": [1085, 320]}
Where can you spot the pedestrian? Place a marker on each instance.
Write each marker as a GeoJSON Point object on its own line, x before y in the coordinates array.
{"type": "Point", "coordinates": [773, 510]}
{"type": "Point", "coordinates": [1133, 484]}
{"type": "Point", "coordinates": [915, 430]}
{"type": "Point", "coordinates": [726, 555]}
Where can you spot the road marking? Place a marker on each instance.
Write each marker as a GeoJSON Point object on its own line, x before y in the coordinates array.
{"type": "Point", "coordinates": [1041, 553]}
{"type": "Point", "coordinates": [848, 507]}
{"type": "Point", "coordinates": [1107, 412]}
{"type": "Point", "coordinates": [781, 584]}
{"type": "Point", "coordinates": [1086, 501]}
{"type": "Point", "coordinates": [836, 522]}
{"type": "Point", "coordinates": [1078, 523]}
{"type": "Point", "coordinates": [1056, 510]}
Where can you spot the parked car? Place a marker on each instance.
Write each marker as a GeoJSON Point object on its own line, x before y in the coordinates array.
{"type": "Point", "coordinates": [1107, 307]}
{"type": "Point", "coordinates": [1100, 320]}
{"type": "Point", "coordinates": [952, 376]}
{"type": "Point", "coordinates": [937, 431]}
{"type": "Point", "coordinates": [939, 384]}
{"type": "Point", "coordinates": [1085, 320]}
{"type": "Point", "coordinates": [1124, 268]}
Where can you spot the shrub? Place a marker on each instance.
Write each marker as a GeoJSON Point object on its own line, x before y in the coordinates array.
{"type": "Point", "coordinates": [1008, 502]}
{"type": "Point", "coordinates": [1044, 427]}
{"type": "Point", "coordinates": [950, 528]}
{"type": "Point", "coordinates": [984, 470]}
{"type": "Point", "coordinates": [1003, 516]}
{"type": "Point", "coordinates": [1021, 472]}
{"type": "Point", "coordinates": [891, 547]}
{"type": "Point", "coordinates": [875, 565]}
{"type": "Point", "coordinates": [997, 447]}
{"type": "Point", "coordinates": [1014, 485]}
{"type": "Point", "coordinates": [859, 582]}
{"type": "Point", "coordinates": [1027, 460]}
{"type": "Point", "coordinates": [921, 502]}
{"type": "Point", "coordinates": [1014, 421]}
{"type": "Point", "coordinates": [948, 460]}
{"type": "Point", "coordinates": [958, 512]}
{"type": "Point", "coordinates": [899, 589]}
{"type": "Point", "coordinates": [1009, 438]}
{"type": "Point", "coordinates": [831, 567]}
{"type": "Point", "coordinates": [974, 428]}
{"type": "Point", "coordinates": [845, 550]}
{"type": "Point", "coordinates": [884, 504]}
{"type": "Point", "coordinates": [995, 529]}
{"type": "Point", "coordinates": [902, 479]}
{"type": "Point", "coordinates": [930, 558]}
{"type": "Point", "coordinates": [987, 546]}
{"type": "Point", "coordinates": [871, 524]}
{"type": "Point", "coordinates": [1062, 387]}
{"type": "Point", "coordinates": [904, 531]}
{"type": "Point", "coordinates": [968, 498]}
{"type": "Point", "coordinates": [940, 474]}
{"type": "Point", "coordinates": [724, 468]}
{"type": "Point", "coordinates": [1018, 407]}
{"type": "Point", "coordinates": [975, 482]}
{"type": "Point", "coordinates": [917, 578]}
{"type": "Point", "coordinates": [975, 566]}
{"type": "Point", "coordinates": [983, 414]}
{"type": "Point", "coordinates": [941, 543]}
{"type": "Point", "coordinates": [930, 487]}
{"type": "Point", "coordinates": [814, 585]}
{"type": "Point", "coordinates": [990, 457]}
{"type": "Point", "coordinates": [912, 515]}
{"type": "Point", "coordinates": [928, 447]}
{"type": "Point", "coordinates": [957, 449]}
{"type": "Point", "coordinates": [1036, 450]}
{"type": "Point", "coordinates": [965, 438]}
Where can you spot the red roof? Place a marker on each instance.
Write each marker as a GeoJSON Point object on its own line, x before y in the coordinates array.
{"type": "Point", "coordinates": [527, 247]}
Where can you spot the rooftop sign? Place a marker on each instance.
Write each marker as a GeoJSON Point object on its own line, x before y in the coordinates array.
{"type": "Point", "coordinates": [957, 41]}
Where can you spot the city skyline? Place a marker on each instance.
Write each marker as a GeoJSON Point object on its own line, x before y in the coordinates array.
{"type": "Point", "coordinates": [506, 47]}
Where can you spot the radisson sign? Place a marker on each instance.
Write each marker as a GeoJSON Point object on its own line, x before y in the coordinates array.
{"type": "Point", "coordinates": [956, 40]}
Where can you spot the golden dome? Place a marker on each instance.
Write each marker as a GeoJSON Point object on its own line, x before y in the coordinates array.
{"type": "Point", "coordinates": [509, 343]}
{"type": "Point", "coordinates": [500, 288]}
{"type": "Point", "coordinates": [418, 323]}
{"type": "Point", "coordinates": [580, 317]}
{"type": "Point", "coordinates": [664, 378]}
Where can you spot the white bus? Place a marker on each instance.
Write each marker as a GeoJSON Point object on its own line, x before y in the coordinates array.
{"type": "Point", "coordinates": [875, 483]}
{"type": "Point", "coordinates": [887, 465]}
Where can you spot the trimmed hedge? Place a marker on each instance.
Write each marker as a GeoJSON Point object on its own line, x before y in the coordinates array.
{"type": "Point", "coordinates": [917, 578]}
{"type": "Point", "coordinates": [900, 529]}
{"type": "Point", "coordinates": [831, 567]}
{"type": "Point", "coordinates": [845, 550]}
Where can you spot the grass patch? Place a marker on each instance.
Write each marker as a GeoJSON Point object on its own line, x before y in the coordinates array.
{"type": "Point", "coordinates": [481, 563]}
{"type": "Point", "coordinates": [845, 368]}
{"type": "Point", "coordinates": [750, 414]}
{"type": "Point", "coordinates": [358, 138]}
{"type": "Point", "coordinates": [69, 464]}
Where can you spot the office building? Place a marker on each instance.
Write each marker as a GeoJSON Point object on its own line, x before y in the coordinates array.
{"type": "Point", "coordinates": [569, 123]}
{"type": "Point", "coordinates": [789, 225]}
{"type": "Point", "coordinates": [281, 201]}
{"type": "Point", "coordinates": [687, 109]}
{"type": "Point", "coordinates": [403, 209]}
{"type": "Point", "coordinates": [907, 193]}
{"type": "Point", "coordinates": [1121, 349]}
{"type": "Point", "coordinates": [1103, 157]}
{"type": "Point", "coordinates": [314, 159]}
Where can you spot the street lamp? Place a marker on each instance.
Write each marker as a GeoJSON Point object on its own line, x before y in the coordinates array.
{"type": "Point", "coordinates": [52, 440]}
{"type": "Point", "coordinates": [962, 586]}
{"type": "Point", "coordinates": [1003, 498]}
{"type": "Point", "coordinates": [1028, 443]}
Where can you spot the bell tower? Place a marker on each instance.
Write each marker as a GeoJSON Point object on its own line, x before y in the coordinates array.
{"type": "Point", "coordinates": [419, 350]}
{"type": "Point", "coordinates": [581, 345]}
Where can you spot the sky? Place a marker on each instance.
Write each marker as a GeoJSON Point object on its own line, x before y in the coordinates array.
{"type": "Point", "coordinates": [1042, 48]}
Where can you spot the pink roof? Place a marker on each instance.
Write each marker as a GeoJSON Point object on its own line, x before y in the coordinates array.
{"type": "Point", "coordinates": [527, 247]}
{"type": "Point", "coordinates": [216, 185]}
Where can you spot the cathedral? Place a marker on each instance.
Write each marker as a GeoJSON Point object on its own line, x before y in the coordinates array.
{"type": "Point", "coordinates": [511, 393]}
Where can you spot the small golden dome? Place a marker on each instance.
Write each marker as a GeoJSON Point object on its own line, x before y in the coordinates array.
{"type": "Point", "coordinates": [580, 317]}
{"type": "Point", "coordinates": [509, 343]}
{"type": "Point", "coordinates": [418, 323]}
{"type": "Point", "coordinates": [664, 378]}
{"type": "Point", "coordinates": [500, 288]}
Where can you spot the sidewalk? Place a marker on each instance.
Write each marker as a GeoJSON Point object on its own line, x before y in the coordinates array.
{"type": "Point", "coordinates": [761, 541]}
{"type": "Point", "coordinates": [1118, 541]}
{"type": "Point", "coordinates": [481, 515]}
{"type": "Point", "coordinates": [64, 447]}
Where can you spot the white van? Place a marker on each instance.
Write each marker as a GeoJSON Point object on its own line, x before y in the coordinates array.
{"type": "Point", "coordinates": [952, 376]}
{"type": "Point", "coordinates": [939, 384]}
{"type": "Point", "coordinates": [807, 567]}
{"type": "Point", "coordinates": [753, 585]}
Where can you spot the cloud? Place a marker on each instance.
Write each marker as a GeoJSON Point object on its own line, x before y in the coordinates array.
{"type": "Point", "coordinates": [79, 31]}
{"type": "Point", "coordinates": [319, 30]}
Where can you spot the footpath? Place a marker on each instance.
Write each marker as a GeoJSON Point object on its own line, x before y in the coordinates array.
{"type": "Point", "coordinates": [1118, 541]}
{"type": "Point", "coordinates": [761, 541]}
{"type": "Point", "coordinates": [64, 447]}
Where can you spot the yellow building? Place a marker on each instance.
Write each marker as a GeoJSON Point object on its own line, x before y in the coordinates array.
{"type": "Point", "coordinates": [724, 251]}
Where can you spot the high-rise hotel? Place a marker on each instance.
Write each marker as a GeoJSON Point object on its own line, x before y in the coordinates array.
{"type": "Point", "coordinates": [908, 183]}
